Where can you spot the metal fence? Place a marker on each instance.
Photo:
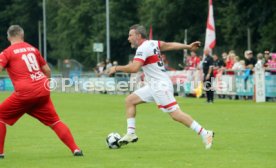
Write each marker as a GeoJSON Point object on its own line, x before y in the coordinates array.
{"type": "Point", "coordinates": [185, 82]}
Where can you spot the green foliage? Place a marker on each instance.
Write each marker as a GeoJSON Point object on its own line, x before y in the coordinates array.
{"type": "Point", "coordinates": [23, 12]}
{"type": "Point", "coordinates": [73, 26]}
{"type": "Point", "coordinates": [235, 17]}
{"type": "Point", "coordinates": [123, 14]}
{"type": "Point", "coordinates": [169, 20]}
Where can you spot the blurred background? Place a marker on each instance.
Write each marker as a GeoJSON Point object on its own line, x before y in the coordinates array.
{"type": "Point", "coordinates": [73, 26]}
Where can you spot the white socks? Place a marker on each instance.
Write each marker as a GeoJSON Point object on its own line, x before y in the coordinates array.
{"type": "Point", "coordinates": [198, 129]}
{"type": "Point", "coordinates": [194, 126]}
{"type": "Point", "coordinates": [131, 126]}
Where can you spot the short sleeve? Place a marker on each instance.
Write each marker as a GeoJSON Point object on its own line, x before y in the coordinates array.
{"type": "Point", "coordinates": [140, 55]}
{"type": "Point", "coordinates": [3, 59]}
{"type": "Point", "coordinates": [40, 59]}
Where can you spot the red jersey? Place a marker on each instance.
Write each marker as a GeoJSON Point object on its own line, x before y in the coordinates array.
{"type": "Point", "coordinates": [193, 62]}
{"type": "Point", "coordinates": [272, 64]}
{"type": "Point", "coordinates": [23, 63]}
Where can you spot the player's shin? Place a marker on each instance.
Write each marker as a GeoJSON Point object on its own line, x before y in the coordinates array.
{"type": "Point", "coordinates": [131, 126]}
{"type": "Point", "coordinates": [65, 136]}
{"type": "Point", "coordinates": [2, 137]}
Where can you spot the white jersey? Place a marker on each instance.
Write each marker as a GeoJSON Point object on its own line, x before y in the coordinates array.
{"type": "Point", "coordinates": [149, 54]}
{"type": "Point", "coordinates": [158, 85]}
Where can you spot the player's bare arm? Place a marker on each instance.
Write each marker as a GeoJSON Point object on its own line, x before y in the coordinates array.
{"type": "Point", "coordinates": [129, 68]}
{"type": "Point", "coordinates": [46, 70]}
{"type": "Point", "coordinates": [167, 46]}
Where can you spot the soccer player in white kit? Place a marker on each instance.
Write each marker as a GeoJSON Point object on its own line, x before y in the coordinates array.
{"type": "Point", "coordinates": [158, 87]}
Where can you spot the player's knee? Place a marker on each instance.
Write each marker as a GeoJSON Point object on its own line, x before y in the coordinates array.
{"type": "Point", "coordinates": [128, 100]}
{"type": "Point", "coordinates": [174, 116]}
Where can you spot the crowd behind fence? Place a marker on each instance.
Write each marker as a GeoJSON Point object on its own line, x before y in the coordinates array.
{"type": "Point", "coordinates": [237, 85]}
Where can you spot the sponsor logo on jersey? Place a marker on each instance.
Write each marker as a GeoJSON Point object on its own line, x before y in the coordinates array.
{"type": "Point", "coordinates": [37, 76]}
{"type": "Point", "coordinates": [139, 54]}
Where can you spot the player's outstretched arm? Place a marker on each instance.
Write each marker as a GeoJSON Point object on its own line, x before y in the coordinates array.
{"type": "Point", "coordinates": [129, 68]}
{"type": "Point", "coordinates": [167, 46]}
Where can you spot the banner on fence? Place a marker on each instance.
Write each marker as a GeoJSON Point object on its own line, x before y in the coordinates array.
{"type": "Point", "coordinates": [244, 87]}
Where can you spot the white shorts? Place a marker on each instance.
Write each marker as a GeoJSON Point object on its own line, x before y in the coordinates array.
{"type": "Point", "coordinates": [163, 98]}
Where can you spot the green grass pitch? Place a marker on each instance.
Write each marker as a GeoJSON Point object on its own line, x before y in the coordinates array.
{"type": "Point", "coordinates": [245, 135]}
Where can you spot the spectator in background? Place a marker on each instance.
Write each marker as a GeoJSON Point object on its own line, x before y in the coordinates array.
{"type": "Point", "coordinates": [164, 59]}
{"type": "Point", "coordinates": [272, 64]}
{"type": "Point", "coordinates": [96, 69]}
{"type": "Point", "coordinates": [66, 68]}
{"type": "Point", "coordinates": [166, 63]}
{"type": "Point", "coordinates": [200, 66]}
{"type": "Point", "coordinates": [232, 52]}
{"type": "Point", "coordinates": [242, 62]}
{"type": "Point", "coordinates": [250, 61]}
{"type": "Point", "coordinates": [260, 59]}
{"type": "Point", "coordinates": [115, 63]}
{"type": "Point", "coordinates": [224, 55]}
{"type": "Point", "coordinates": [193, 61]}
{"type": "Point", "coordinates": [218, 65]}
{"type": "Point", "coordinates": [100, 69]}
{"type": "Point", "coordinates": [267, 58]}
{"type": "Point", "coordinates": [208, 74]}
{"type": "Point", "coordinates": [108, 64]}
{"type": "Point", "coordinates": [238, 65]}
{"type": "Point", "coordinates": [230, 62]}
{"type": "Point", "coordinates": [187, 62]}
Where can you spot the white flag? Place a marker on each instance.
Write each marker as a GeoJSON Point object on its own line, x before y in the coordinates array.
{"type": "Point", "coordinates": [210, 38]}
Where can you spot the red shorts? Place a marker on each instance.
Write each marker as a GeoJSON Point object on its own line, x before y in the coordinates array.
{"type": "Point", "coordinates": [40, 108]}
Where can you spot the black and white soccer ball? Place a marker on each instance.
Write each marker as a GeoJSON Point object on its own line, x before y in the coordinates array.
{"type": "Point", "coordinates": [112, 140]}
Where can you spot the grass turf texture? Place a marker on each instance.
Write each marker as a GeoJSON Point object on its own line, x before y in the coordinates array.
{"type": "Point", "coordinates": [245, 135]}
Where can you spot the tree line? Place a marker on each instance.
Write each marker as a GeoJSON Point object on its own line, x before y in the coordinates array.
{"type": "Point", "coordinates": [73, 26]}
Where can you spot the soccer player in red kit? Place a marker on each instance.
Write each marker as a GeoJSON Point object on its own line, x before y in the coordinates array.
{"type": "Point", "coordinates": [29, 74]}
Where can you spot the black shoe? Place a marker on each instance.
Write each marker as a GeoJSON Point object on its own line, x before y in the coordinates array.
{"type": "Point", "coordinates": [2, 156]}
{"type": "Point", "coordinates": [78, 153]}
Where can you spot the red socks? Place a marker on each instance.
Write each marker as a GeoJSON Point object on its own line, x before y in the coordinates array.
{"type": "Point", "coordinates": [64, 135]}
{"type": "Point", "coordinates": [2, 137]}
{"type": "Point", "coordinates": [60, 129]}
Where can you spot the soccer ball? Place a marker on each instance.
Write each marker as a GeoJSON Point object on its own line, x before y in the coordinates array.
{"type": "Point", "coordinates": [112, 140]}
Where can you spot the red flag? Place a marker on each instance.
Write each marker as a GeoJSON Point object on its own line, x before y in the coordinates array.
{"type": "Point", "coordinates": [150, 33]}
{"type": "Point", "coordinates": [210, 38]}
